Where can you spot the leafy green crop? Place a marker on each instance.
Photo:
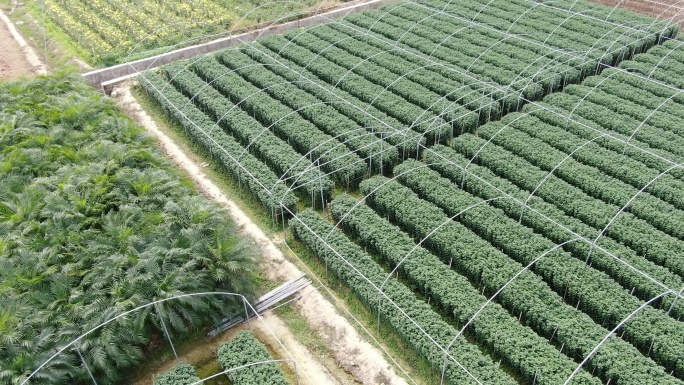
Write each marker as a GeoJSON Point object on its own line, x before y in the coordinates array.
{"type": "Point", "coordinates": [243, 350]}
{"type": "Point", "coordinates": [423, 330]}
{"type": "Point", "coordinates": [181, 374]}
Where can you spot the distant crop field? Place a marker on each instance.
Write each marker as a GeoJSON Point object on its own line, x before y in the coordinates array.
{"type": "Point", "coordinates": [111, 30]}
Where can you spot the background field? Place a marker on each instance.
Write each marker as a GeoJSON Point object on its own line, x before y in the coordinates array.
{"type": "Point", "coordinates": [113, 31]}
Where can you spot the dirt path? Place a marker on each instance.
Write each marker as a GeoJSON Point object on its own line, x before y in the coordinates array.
{"type": "Point", "coordinates": [356, 356]}
{"type": "Point", "coordinates": [663, 9]}
{"type": "Point", "coordinates": [17, 58]}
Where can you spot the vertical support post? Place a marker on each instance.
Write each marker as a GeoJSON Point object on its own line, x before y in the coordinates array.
{"type": "Point", "coordinates": [90, 374]}
{"type": "Point", "coordinates": [441, 381]}
{"type": "Point", "coordinates": [320, 183]}
{"type": "Point", "coordinates": [166, 331]}
{"type": "Point", "coordinates": [379, 303]}
{"type": "Point", "coordinates": [282, 215]}
{"type": "Point", "coordinates": [674, 302]}
{"type": "Point", "coordinates": [244, 303]}
{"type": "Point", "coordinates": [296, 373]}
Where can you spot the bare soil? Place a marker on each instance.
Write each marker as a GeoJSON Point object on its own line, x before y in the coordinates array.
{"type": "Point", "coordinates": [353, 353]}
{"type": "Point", "coordinates": [13, 63]}
{"type": "Point", "coordinates": [663, 9]}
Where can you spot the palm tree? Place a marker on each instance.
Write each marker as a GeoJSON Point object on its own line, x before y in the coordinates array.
{"type": "Point", "coordinates": [94, 222]}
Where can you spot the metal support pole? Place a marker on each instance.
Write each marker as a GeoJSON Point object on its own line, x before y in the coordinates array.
{"type": "Point", "coordinates": [244, 303]}
{"type": "Point", "coordinates": [168, 336]}
{"type": "Point", "coordinates": [78, 351]}
{"type": "Point", "coordinates": [675, 301]}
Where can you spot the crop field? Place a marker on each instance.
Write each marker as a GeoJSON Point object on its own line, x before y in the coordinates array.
{"type": "Point", "coordinates": [496, 187]}
{"type": "Point", "coordinates": [111, 30]}
{"type": "Point", "coordinates": [520, 168]}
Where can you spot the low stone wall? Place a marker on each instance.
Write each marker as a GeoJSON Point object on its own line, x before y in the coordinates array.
{"type": "Point", "coordinates": [106, 78]}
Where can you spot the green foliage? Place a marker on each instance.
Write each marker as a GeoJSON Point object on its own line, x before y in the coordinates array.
{"type": "Point", "coordinates": [94, 222]}
{"type": "Point", "coordinates": [545, 218]}
{"type": "Point", "coordinates": [425, 122]}
{"type": "Point", "coordinates": [379, 154]}
{"type": "Point", "coordinates": [181, 374]}
{"type": "Point", "coordinates": [539, 59]}
{"type": "Point", "coordinates": [424, 328]}
{"type": "Point", "coordinates": [519, 347]}
{"type": "Point", "coordinates": [263, 183]}
{"type": "Point", "coordinates": [432, 71]}
{"type": "Point", "coordinates": [297, 171]}
{"type": "Point", "coordinates": [343, 164]}
{"type": "Point", "coordinates": [363, 114]}
{"type": "Point", "coordinates": [556, 268]}
{"type": "Point", "coordinates": [245, 349]}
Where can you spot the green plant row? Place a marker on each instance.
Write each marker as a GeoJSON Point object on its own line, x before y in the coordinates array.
{"type": "Point", "coordinates": [408, 33]}
{"type": "Point", "coordinates": [617, 16]}
{"type": "Point", "coordinates": [649, 67]}
{"type": "Point", "coordinates": [663, 64]}
{"type": "Point", "coordinates": [660, 214]}
{"type": "Point", "coordinates": [626, 228]}
{"type": "Point", "coordinates": [501, 231]}
{"type": "Point", "coordinates": [520, 348]}
{"type": "Point", "coordinates": [379, 154]}
{"type": "Point", "coordinates": [616, 164]}
{"type": "Point", "coordinates": [424, 122]}
{"type": "Point", "coordinates": [641, 91]}
{"type": "Point", "coordinates": [408, 141]}
{"type": "Point", "coordinates": [245, 349]}
{"type": "Point", "coordinates": [549, 66]}
{"type": "Point", "coordinates": [508, 61]}
{"type": "Point", "coordinates": [264, 185]}
{"type": "Point", "coordinates": [520, 73]}
{"type": "Point", "coordinates": [181, 374]}
{"type": "Point", "coordinates": [597, 37]}
{"type": "Point", "coordinates": [599, 116]}
{"type": "Point", "coordinates": [478, 97]}
{"type": "Point", "coordinates": [331, 245]}
{"type": "Point", "coordinates": [631, 111]}
{"type": "Point", "coordinates": [294, 169]}
{"type": "Point", "coordinates": [587, 129]}
{"type": "Point", "coordinates": [353, 56]}
{"type": "Point", "coordinates": [325, 151]}
{"type": "Point", "coordinates": [473, 244]}
{"type": "Point", "coordinates": [547, 219]}
{"type": "Point", "coordinates": [482, 97]}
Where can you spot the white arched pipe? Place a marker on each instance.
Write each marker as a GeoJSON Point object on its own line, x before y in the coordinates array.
{"type": "Point", "coordinates": [491, 299]}
{"type": "Point", "coordinates": [612, 332]}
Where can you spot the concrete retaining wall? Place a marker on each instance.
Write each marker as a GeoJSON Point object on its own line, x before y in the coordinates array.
{"type": "Point", "coordinates": [106, 78]}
